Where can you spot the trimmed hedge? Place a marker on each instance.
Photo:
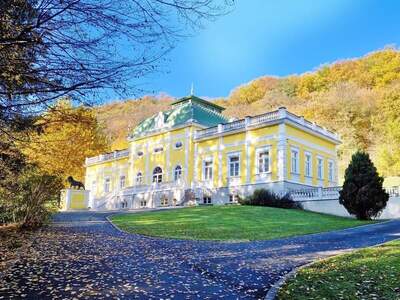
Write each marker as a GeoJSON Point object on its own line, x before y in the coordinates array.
{"type": "Point", "coordinates": [263, 197]}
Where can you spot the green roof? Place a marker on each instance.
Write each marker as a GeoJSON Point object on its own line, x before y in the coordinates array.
{"type": "Point", "coordinates": [186, 110]}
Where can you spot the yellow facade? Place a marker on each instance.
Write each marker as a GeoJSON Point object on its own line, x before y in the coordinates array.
{"type": "Point", "coordinates": [276, 150]}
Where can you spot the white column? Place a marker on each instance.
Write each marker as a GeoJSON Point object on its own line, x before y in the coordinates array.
{"type": "Point", "coordinates": [282, 147]}
{"type": "Point", "coordinates": [186, 169]}
{"type": "Point", "coordinates": [220, 161]}
{"type": "Point", "coordinates": [147, 175]}
{"type": "Point", "coordinates": [196, 164]}
{"type": "Point", "coordinates": [247, 150]}
{"type": "Point", "coordinates": [168, 172]}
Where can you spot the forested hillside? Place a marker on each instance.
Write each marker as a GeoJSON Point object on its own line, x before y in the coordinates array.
{"type": "Point", "coordinates": [358, 98]}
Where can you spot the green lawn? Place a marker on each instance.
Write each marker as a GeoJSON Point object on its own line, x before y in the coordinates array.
{"type": "Point", "coordinates": [372, 273]}
{"type": "Point", "coordinates": [238, 223]}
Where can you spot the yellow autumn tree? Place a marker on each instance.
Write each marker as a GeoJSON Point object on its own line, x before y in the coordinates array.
{"type": "Point", "coordinates": [68, 135]}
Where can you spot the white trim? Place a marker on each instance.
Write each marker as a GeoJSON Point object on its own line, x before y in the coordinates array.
{"type": "Point", "coordinates": [105, 178]}
{"type": "Point", "coordinates": [257, 161]}
{"type": "Point", "coordinates": [228, 157]}
{"type": "Point", "coordinates": [282, 153]}
{"type": "Point", "coordinates": [247, 151]}
{"type": "Point", "coordinates": [220, 161]}
{"type": "Point", "coordinates": [308, 154]}
{"type": "Point", "coordinates": [331, 180]}
{"type": "Point", "coordinates": [294, 168]}
{"type": "Point", "coordinates": [203, 175]}
{"type": "Point", "coordinates": [188, 138]}
{"type": "Point", "coordinates": [320, 178]}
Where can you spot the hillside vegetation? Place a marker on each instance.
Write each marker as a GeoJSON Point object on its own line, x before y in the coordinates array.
{"type": "Point", "coordinates": [358, 98]}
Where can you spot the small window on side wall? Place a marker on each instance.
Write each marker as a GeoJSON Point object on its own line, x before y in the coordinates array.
{"type": "Point", "coordinates": [178, 145]}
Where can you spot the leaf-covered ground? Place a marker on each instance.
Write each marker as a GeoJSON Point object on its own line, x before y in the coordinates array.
{"type": "Point", "coordinates": [230, 223]}
{"type": "Point", "coordinates": [82, 256]}
{"type": "Point", "coordinates": [12, 241]}
{"type": "Point", "coordinates": [372, 273]}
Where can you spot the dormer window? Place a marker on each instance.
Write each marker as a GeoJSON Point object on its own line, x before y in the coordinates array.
{"type": "Point", "coordinates": [158, 149]}
{"type": "Point", "coordinates": [178, 145]}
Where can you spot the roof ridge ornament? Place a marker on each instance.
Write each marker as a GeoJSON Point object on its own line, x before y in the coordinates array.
{"type": "Point", "coordinates": [192, 90]}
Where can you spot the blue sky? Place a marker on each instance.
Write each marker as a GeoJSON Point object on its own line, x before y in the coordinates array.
{"type": "Point", "coordinates": [265, 37]}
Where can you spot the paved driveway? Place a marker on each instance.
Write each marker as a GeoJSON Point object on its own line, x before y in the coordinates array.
{"type": "Point", "coordinates": [82, 256]}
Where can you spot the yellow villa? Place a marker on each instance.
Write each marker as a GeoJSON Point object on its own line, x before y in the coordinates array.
{"type": "Point", "coordinates": [191, 154]}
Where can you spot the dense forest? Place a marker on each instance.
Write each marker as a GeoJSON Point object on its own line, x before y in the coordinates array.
{"type": "Point", "coordinates": [358, 98]}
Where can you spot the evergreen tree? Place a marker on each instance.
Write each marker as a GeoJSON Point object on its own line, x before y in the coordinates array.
{"type": "Point", "coordinates": [362, 194]}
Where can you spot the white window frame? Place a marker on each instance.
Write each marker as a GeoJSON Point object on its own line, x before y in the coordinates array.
{"type": "Point", "coordinates": [230, 156]}
{"type": "Point", "coordinates": [157, 177]}
{"type": "Point", "coordinates": [122, 179]}
{"type": "Point", "coordinates": [139, 178]}
{"type": "Point", "coordinates": [294, 167]}
{"type": "Point", "coordinates": [258, 152]}
{"type": "Point", "coordinates": [331, 171]}
{"type": "Point", "coordinates": [210, 177]}
{"type": "Point", "coordinates": [320, 175]}
{"type": "Point", "coordinates": [107, 183]}
{"type": "Point", "coordinates": [178, 172]}
{"type": "Point", "coordinates": [310, 173]}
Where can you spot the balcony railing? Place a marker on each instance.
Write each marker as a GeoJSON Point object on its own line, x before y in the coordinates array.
{"type": "Point", "coordinates": [107, 156]}
{"type": "Point", "coordinates": [279, 114]}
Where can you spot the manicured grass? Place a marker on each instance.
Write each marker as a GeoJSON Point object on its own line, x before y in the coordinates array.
{"type": "Point", "coordinates": [230, 223]}
{"type": "Point", "coordinates": [372, 273]}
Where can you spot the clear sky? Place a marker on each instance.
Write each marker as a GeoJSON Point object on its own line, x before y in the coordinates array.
{"type": "Point", "coordinates": [266, 37]}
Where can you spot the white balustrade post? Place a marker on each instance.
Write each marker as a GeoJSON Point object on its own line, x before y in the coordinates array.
{"type": "Point", "coordinates": [320, 192]}
{"type": "Point", "coordinates": [282, 112]}
{"type": "Point", "coordinates": [220, 128]}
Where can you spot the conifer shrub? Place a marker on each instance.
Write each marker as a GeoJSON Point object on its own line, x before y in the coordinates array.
{"type": "Point", "coordinates": [363, 195]}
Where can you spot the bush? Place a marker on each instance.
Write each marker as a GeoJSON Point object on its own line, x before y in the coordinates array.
{"type": "Point", "coordinates": [31, 199]}
{"type": "Point", "coordinates": [362, 194]}
{"type": "Point", "coordinates": [263, 197]}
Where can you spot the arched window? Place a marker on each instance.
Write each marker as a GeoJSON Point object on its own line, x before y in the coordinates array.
{"type": "Point", "coordinates": [157, 174]}
{"type": "Point", "coordinates": [139, 178]}
{"type": "Point", "coordinates": [178, 173]}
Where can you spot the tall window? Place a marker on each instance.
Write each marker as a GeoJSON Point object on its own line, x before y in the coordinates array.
{"type": "Point", "coordinates": [207, 170]}
{"type": "Point", "coordinates": [330, 170]}
{"type": "Point", "coordinates": [263, 161]}
{"type": "Point", "coordinates": [234, 166]}
{"type": "Point", "coordinates": [122, 182]}
{"type": "Point", "coordinates": [308, 165]}
{"type": "Point", "coordinates": [107, 184]}
{"type": "Point", "coordinates": [295, 161]}
{"type": "Point", "coordinates": [139, 178]}
{"type": "Point", "coordinates": [157, 174]}
{"type": "Point", "coordinates": [177, 173]}
{"type": "Point", "coordinates": [320, 168]}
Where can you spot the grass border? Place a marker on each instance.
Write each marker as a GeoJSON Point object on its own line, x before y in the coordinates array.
{"type": "Point", "coordinates": [276, 287]}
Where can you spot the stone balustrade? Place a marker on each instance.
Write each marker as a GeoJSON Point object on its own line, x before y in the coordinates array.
{"type": "Point", "coordinates": [107, 156]}
{"type": "Point", "coordinates": [280, 114]}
